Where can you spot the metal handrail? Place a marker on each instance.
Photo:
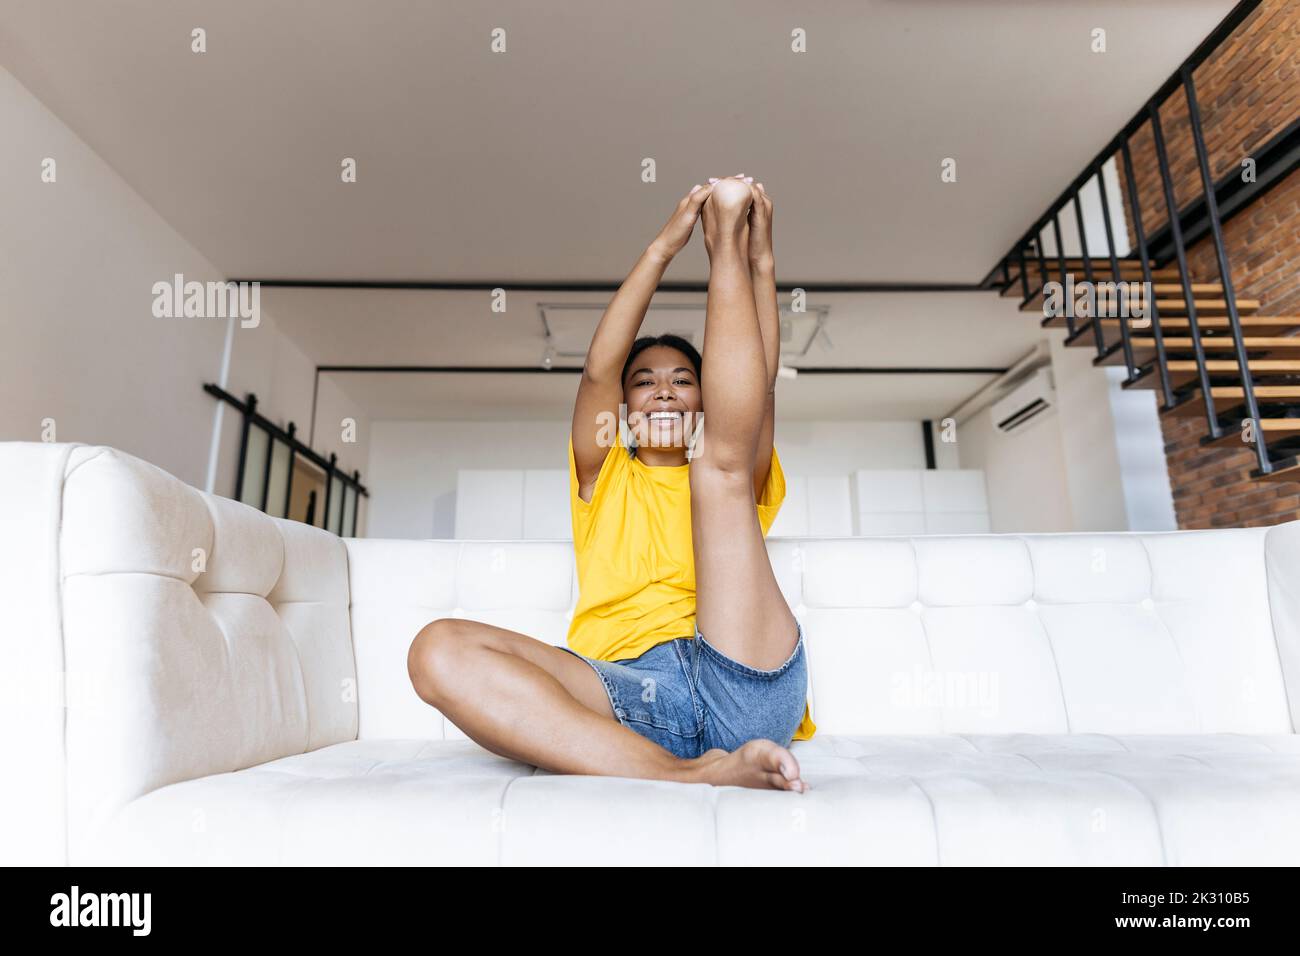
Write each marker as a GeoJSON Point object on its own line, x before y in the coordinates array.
{"type": "Point", "coordinates": [1198, 56]}
{"type": "Point", "coordinates": [1150, 113]}
{"type": "Point", "coordinates": [252, 418]}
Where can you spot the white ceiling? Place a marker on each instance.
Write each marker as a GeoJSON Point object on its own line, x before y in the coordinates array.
{"type": "Point", "coordinates": [506, 168]}
{"type": "Point", "coordinates": [526, 165]}
{"type": "Point", "coordinates": [386, 327]}
{"type": "Point", "coordinates": [549, 397]}
{"type": "Point", "coordinates": [353, 327]}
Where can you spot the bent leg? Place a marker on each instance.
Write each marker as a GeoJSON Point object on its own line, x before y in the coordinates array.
{"type": "Point", "coordinates": [529, 701]}
{"type": "Point", "coordinates": [739, 606]}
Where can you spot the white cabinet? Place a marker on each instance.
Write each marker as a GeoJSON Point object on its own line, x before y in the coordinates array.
{"type": "Point", "coordinates": [534, 503]}
{"type": "Point", "coordinates": [884, 522]}
{"type": "Point", "coordinates": [490, 503]}
{"type": "Point", "coordinates": [815, 505]}
{"type": "Point", "coordinates": [513, 503]}
{"type": "Point", "coordinates": [546, 504]}
{"type": "Point", "coordinates": [955, 501]}
{"type": "Point", "coordinates": [920, 501]}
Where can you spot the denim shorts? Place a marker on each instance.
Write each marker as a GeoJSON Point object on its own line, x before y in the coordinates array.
{"type": "Point", "coordinates": [689, 697]}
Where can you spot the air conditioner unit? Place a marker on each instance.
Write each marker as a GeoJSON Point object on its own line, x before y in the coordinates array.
{"type": "Point", "coordinates": [1025, 402]}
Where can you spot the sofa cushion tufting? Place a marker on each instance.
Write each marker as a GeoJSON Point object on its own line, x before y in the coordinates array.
{"type": "Point", "coordinates": [191, 681]}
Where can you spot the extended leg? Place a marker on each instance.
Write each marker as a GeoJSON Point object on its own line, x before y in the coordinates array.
{"type": "Point", "coordinates": [739, 606]}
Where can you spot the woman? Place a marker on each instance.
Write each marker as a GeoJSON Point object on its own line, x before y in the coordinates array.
{"type": "Point", "coordinates": [685, 662]}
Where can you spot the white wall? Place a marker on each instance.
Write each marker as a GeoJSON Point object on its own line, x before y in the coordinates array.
{"type": "Point", "coordinates": [1094, 223]}
{"type": "Point", "coordinates": [81, 345]}
{"type": "Point", "coordinates": [1095, 462]}
{"type": "Point", "coordinates": [915, 501]}
{"type": "Point", "coordinates": [413, 466]}
{"type": "Point", "coordinates": [1114, 449]}
{"type": "Point", "coordinates": [1148, 494]}
{"type": "Point", "coordinates": [1024, 472]}
{"type": "Point", "coordinates": [1091, 456]}
{"type": "Point", "coordinates": [268, 364]}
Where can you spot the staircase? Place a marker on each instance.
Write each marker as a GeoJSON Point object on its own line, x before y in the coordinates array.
{"type": "Point", "coordinates": [1208, 352]}
{"type": "Point", "coordinates": [1270, 342]}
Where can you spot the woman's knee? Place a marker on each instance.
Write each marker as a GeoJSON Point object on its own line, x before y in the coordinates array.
{"type": "Point", "coordinates": [434, 656]}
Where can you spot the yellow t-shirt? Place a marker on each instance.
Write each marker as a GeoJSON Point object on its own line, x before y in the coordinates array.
{"type": "Point", "coordinates": [636, 566]}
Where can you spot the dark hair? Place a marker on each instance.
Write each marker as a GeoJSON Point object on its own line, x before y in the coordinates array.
{"type": "Point", "coordinates": [668, 339]}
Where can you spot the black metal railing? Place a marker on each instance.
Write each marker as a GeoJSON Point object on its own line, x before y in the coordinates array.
{"type": "Point", "coordinates": [253, 484]}
{"type": "Point", "coordinates": [1204, 212]}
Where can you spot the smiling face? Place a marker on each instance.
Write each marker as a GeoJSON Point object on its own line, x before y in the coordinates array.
{"type": "Point", "coordinates": [663, 398]}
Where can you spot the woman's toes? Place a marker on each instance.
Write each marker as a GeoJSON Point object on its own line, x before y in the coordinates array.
{"type": "Point", "coordinates": [789, 769]}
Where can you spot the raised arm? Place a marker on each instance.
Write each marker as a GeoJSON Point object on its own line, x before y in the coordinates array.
{"type": "Point", "coordinates": [762, 275]}
{"type": "Point", "coordinates": [601, 388]}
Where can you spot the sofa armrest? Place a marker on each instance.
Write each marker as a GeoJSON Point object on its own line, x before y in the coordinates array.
{"type": "Point", "coordinates": [33, 806]}
{"type": "Point", "coordinates": [1282, 558]}
{"type": "Point", "coordinates": [159, 634]}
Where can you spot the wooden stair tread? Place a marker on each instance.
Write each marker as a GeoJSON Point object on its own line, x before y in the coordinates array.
{"type": "Point", "coordinates": [1078, 268]}
{"type": "Point", "coordinates": [1261, 391]}
{"type": "Point", "coordinates": [1218, 305]}
{"type": "Point", "coordinates": [1162, 290]}
{"type": "Point", "coordinates": [1177, 287]}
{"type": "Point", "coordinates": [1169, 290]}
{"type": "Point", "coordinates": [1182, 346]}
{"type": "Point", "coordinates": [1179, 304]}
{"type": "Point", "coordinates": [1286, 473]}
{"type": "Point", "coordinates": [1226, 365]}
{"type": "Point", "coordinates": [1216, 333]}
{"type": "Point", "coordinates": [1161, 278]}
{"type": "Point", "coordinates": [1183, 371]}
{"type": "Point", "coordinates": [1269, 427]}
{"type": "Point", "coordinates": [1171, 307]}
{"type": "Point", "coordinates": [1218, 322]}
{"type": "Point", "coordinates": [1099, 260]}
{"type": "Point", "coordinates": [1164, 276]}
{"type": "Point", "coordinates": [1217, 342]}
{"type": "Point", "coordinates": [1207, 323]}
{"type": "Point", "coordinates": [1193, 405]}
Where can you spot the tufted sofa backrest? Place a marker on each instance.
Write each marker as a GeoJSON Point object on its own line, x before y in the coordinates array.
{"type": "Point", "coordinates": [154, 634]}
{"type": "Point", "coordinates": [1120, 633]}
{"type": "Point", "coordinates": [1180, 632]}
{"type": "Point", "coordinates": [399, 586]}
{"type": "Point", "coordinates": [169, 634]}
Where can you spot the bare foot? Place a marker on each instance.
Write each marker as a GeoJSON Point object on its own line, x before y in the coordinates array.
{"type": "Point", "coordinates": [763, 764]}
{"type": "Point", "coordinates": [730, 199]}
{"type": "Point", "coordinates": [725, 215]}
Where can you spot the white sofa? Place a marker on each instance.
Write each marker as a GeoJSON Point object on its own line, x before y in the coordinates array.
{"type": "Point", "coordinates": [995, 699]}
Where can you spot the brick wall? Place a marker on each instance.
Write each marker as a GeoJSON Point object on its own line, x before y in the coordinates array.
{"type": "Point", "coordinates": [1263, 246]}
{"type": "Point", "coordinates": [1248, 91]}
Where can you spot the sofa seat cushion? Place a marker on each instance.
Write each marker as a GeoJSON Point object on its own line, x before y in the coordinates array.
{"type": "Point", "coordinates": [1207, 800]}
